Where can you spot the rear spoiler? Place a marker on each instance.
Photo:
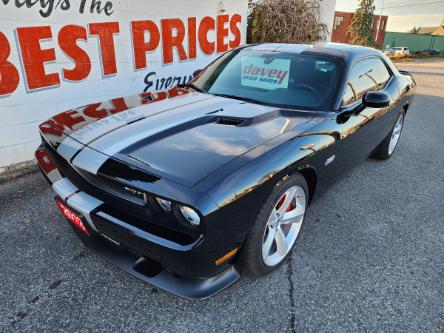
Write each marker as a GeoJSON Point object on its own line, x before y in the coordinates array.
{"type": "Point", "coordinates": [405, 73]}
{"type": "Point", "coordinates": [408, 74]}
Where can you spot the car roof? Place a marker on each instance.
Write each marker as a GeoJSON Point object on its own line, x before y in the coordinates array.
{"type": "Point", "coordinates": [347, 52]}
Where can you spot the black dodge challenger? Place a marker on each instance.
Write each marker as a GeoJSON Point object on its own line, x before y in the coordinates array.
{"type": "Point", "coordinates": [186, 188]}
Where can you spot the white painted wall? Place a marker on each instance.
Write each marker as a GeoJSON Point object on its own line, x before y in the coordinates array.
{"type": "Point", "coordinates": [22, 110]}
{"type": "Point", "coordinates": [328, 14]}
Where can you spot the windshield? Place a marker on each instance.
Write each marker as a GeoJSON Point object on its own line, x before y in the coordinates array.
{"type": "Point", "coordinates": [288, 80]}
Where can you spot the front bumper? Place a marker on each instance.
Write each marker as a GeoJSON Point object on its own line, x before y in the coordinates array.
{"type": "Point", "coordinates": [152, 271]}
{"type": "Point", "coordinates": [183, 267]}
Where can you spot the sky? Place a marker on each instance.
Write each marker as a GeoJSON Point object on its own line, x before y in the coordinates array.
{"type": "Point", "coordinates": [403, 15]}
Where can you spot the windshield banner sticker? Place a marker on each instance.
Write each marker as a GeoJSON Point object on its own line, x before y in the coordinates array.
{"type": "Point", "coordinates": [260, 73]}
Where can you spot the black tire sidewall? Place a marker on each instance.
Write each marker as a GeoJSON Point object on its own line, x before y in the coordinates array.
{"type": "Point", "coordinates": [402, 113]}
{"type": "Point", "coordinates": [382, 152]}
{"type": "Point", "coordinates": [251, 261]}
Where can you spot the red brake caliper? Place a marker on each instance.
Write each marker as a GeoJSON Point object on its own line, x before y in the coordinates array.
{"type": "Point", "coordinates": [291, 206]}
{"type": "Point", "coordinates": [281, 201]}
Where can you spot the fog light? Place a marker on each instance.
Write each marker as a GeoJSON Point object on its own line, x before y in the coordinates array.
{"type": "Point", "coordinates": [164, 204]}
{"type": "Point", "coordinates": [190, 215]}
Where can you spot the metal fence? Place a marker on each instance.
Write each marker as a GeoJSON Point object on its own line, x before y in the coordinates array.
{"type": "Point", "coordinates": [415, 42]}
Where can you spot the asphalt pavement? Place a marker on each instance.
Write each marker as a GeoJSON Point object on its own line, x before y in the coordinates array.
{"type": "Point", "coordinates": [370, 256]}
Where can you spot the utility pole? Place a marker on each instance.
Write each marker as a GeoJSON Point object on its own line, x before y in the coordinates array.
{"type": "Point", "coordinates": [379, 22]}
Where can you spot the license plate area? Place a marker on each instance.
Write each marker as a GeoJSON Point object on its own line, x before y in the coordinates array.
{"type": "Point", "coordinates": [71, 216]}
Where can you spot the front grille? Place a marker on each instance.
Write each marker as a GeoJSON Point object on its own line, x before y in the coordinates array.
{"type": "Point", "coordinates": [114, 187]}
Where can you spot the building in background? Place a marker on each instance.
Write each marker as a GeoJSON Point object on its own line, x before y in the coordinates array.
{"type": "Point", "coordinates": [433, 31]}
{"type": "Point", "coordinates": [342, 21]}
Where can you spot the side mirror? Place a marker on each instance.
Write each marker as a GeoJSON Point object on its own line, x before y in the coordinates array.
{"type": "Point", "coordinates": [376, 99]}
{"type": "Point", "coordinates": [197, 72]}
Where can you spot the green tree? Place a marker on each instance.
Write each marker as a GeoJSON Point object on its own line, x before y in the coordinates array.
{"type": "Point", "coordinates": [360, 30]}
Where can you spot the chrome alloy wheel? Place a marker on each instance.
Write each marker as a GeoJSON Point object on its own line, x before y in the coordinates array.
{"type": "Point", "coordinates": [396, 134]}
{"type": "Point", "coordinates": [283, 226]}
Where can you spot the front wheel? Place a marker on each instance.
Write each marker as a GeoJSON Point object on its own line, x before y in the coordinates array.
{"type": "Point", "coordinates": [387, 147]}
{"type": "Point", "coordinates": [276, 228]}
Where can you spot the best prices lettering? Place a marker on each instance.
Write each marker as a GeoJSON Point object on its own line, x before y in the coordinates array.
{"type": "Point", "coordinates": [258, 73]}
{"type": "Point", "coordinates": [171, 36]}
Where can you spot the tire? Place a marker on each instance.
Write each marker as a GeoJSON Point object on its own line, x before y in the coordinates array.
{"type": "Point", "coordinates": [387, 147]}
{"type": "Point", "coordinates": [252, 261]}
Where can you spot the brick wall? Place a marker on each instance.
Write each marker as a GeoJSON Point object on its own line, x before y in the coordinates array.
{"type": "Point", "coordinates": [342, 21]}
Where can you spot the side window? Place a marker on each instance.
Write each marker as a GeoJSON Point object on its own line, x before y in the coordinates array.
{"type": "Point", "coordinates": [381, 73]}
{"type": "Point", "coordinates": [366, 75]}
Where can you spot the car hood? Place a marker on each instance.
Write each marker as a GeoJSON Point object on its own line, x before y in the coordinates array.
{"type": "Point", "coordinates": [179, 135]}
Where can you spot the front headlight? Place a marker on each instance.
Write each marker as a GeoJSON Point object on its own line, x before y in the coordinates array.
{"type": "Point", "coordinates": [190, 215]}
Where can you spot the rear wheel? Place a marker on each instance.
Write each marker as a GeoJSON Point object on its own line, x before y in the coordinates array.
{"type": "Point", "coordinates": [276, 228]}
{"type": "Point", "coordinates": [387, 147]}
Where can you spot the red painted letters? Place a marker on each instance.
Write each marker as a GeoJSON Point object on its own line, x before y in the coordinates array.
{"type": "Point", "coordinates": [105, 32]}
{"type": "Point", "coordinates": [222, 33]}
{"type": "Point", "coordinates": [68, 37]}
{"type": "Point", "coordinates": [207, 24]}
{"type": "Point", "coordinates": [141, 47]}
{"type": "Point", "coordinates": [192, 38]}
{"type": "Point", "coordinates": [173, 34]}
{"type": "Point", "coordinates": [236, 19]}
{"type": "Point", "coordinates": [34, 57]}
{"type": "Point", "coordinates": [181, 39]}
{"type": "Point", "coordinates": [9, 77]}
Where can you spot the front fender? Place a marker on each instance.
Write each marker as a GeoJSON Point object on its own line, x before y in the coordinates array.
{"type": "Point", "coordinates": [257, 177]}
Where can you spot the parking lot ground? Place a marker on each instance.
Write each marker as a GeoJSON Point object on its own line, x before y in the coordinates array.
{"type": "Point", "coordinates": [370, 257]}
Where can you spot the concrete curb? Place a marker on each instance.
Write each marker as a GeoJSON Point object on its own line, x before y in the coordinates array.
{"type": "Point", "coordinates": [14, 171]}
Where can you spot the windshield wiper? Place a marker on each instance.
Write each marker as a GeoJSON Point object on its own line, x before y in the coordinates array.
{"type": "Point", "coordinates": [192, 86]}
{"type": "Point", "coordinates": [245, 99]}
